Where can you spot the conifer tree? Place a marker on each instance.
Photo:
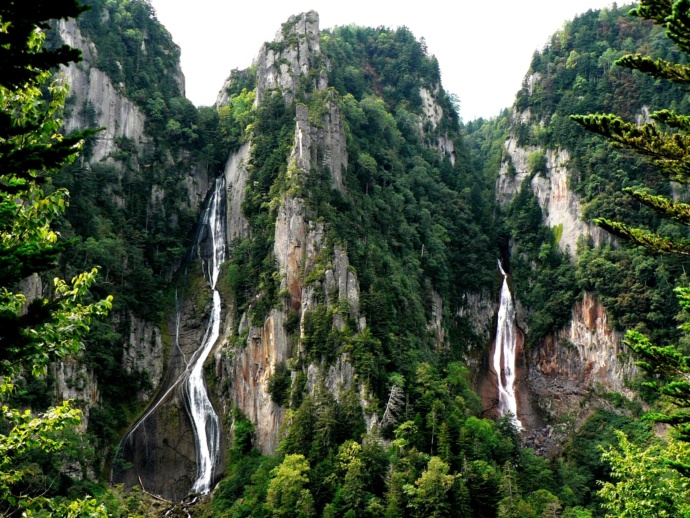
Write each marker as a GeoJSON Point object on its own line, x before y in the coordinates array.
{"type": "Point", "coordinates": [665, 141]}
{"type": "Point", "coordinates": [668, 149]}
{"type": "Point", "coordinates": [31, 336]}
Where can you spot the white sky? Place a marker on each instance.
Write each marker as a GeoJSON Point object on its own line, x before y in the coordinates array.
{"type": "Point", "coordinates": [484, 48]}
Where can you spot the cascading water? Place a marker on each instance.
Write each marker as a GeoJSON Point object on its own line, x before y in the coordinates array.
{"type": "Point", "coordinates": [210, 245]}
{"type": "Point", "coordinates": [204, 418]}
{"type": "Point", "coordinates": [505, 350]}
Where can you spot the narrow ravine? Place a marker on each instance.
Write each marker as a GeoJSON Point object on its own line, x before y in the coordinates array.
{"type": "Point", "coordinates": [504, 353]}
{"type": "Point", "coordinates": [204, 417]}
{"type": "Point", "coordinates": [190, 383]}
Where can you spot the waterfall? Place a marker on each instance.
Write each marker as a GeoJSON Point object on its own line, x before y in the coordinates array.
{"type": "Point", "coordinates": [211, 248]}
{"type": "Point", "coordinates": [505, 350]}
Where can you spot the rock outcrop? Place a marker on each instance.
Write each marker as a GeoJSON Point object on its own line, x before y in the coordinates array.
{"type": "Point", "coordinates": [585, 355]}
{"type": "Point", "coordinates": [321, 145]}
{"type": "Point", "coordinates": [99, 103]}
{"type": "Point", "coordinates": [162, 440]}
{"type": "Point", "coordinates": [144, 352]}
{"type": "Point", "coordinates": [293, 53]}
{"type": "Point", "coordinates": [293, 57]}
{"type": "Point", "coordinates": [429, 122]}
{"type": "Point", "coordinates": [236, 182]}
{"type": "Point", "coordinates": [560, 206]}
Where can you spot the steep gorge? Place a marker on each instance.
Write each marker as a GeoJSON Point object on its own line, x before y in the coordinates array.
{"type": "Point", "coordinates": [360, 244]}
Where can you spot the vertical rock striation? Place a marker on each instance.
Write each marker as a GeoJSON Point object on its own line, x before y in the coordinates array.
{"type": "Point", "coordinates": [98, 102]}
{"type": "Point", "coordinates": [559, 204]}
{"type": "Point", "coordinates": [585, 355]}
{"type": "Point", "coordinates": [319, 144]}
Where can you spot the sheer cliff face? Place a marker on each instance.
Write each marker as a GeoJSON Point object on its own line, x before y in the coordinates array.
{"type": "Point", "coordinates": [92, 87]}
{"type": "Point", "coordinates": [97, 102]}
{"type": "Point", "coordinates": [293, 57]}
{"type": "Point", "coordinates": [559, 204]}
{"type": "Point", "coordinates": [585, 355]}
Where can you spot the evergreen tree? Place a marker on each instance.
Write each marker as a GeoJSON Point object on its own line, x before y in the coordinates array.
{"type": "Point", "coordinates": [669, 149]}
{"type": "Point", "coordinates": [665, 141]}
{"type": "Point", "coordinates": [31, 149]}
{"type": "Point", "coordinates": [287, 491]}
{"type": "Point", "coordinates": [33, 335]}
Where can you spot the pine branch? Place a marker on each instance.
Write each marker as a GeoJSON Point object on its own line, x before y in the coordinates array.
{"type": "Point", "coordinates": [672, 119]}
{"type": "Point", "coordinates": [657, 68]}
{"type": "Point", "coordinates": [678, 25]}
{"type": "Point", "coordinates": [676, 211]}
{"type": "Point", "coordinates": [667, 151]}
{"type": "Point", "coordinates": [650, 240]}
{"type": "Point", "coordinates": [657, 10]}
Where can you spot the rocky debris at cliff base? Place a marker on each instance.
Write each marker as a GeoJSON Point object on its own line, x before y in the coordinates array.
{"type": "Point", "coordinates": [546, 441]}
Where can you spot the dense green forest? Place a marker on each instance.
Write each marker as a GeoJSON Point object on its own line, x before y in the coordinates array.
{"type": "Point", "coordinates": [576, 75]}
{"type": "Point", "coordinates": [417, 224]}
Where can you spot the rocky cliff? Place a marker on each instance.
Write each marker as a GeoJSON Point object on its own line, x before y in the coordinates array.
{"type": "Point", "coordinates": [298, 241]}
{"type": "Point", "coordinates": [586, 356]}
{"type": "Point", "coordinates": [97, 101]}
{"type": "Point", "coordinates": [560, 206]}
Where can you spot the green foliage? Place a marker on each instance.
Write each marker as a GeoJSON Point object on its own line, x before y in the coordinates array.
{"type": "Point", "coordinates": [544, 278]}
{"type": "Point", "coordinates": [666, 148]}
{"type": "Point", "coordinates": [432, 494]}
{"type": "Point", "coordinates": [243, 435]}
{"type": "Point", "coordinates": [575, 74]}
{"type": "Point", "coordinates": [583, 465]}
{"type": "Point", "coordinates": [536, 163]}
{"type": "Point", "coordinates": [134, 49]}
{"type": "Point", "coordinates": [251, 265]}
{"type": "Point", "coordinates": [33, 448]}
{"type": "Point", "coordinates": [636, 290]}
{"type": "Point", "coordinates": [320, 338]}
{"type": "Point", "coordinates": [287, 491]}
{"type": "Point", "coordinates": [236, 118]}
{"type": "Point", "coordinates": [279, 385]}
{"type": "Point", "coordinates": [643, 483]}
{"type": "Point", "coordinates": [131, 214]}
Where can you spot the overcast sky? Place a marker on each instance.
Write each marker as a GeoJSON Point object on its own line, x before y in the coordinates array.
{"type": "Point", "coordinates": [484, 48]}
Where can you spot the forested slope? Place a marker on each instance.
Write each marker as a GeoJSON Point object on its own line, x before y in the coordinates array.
{"type": "Point", "coordinates": [361, 226]}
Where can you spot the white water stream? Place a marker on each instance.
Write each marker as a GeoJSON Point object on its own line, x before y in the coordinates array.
{"type": "Point", "coordinates": [211, 249]}
{"type": "Point", "coordinates": [204, 417]}
{"type": "Point", "coordinates": [504, 349]}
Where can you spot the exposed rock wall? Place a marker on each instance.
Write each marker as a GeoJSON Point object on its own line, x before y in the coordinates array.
{"type": "Point", "coordinates": [249, 371]}
{"type": "Point", "coordinates": [236, 181]}
{"type": "Point", "coordinates": [161, 442]}
{"type": "Point", "coordinates": [479, 309]}
{"type": "Point", "coordinates": [559, 204]}
{"type": "Point", "coordinates": [144, 352]}
{"type": "Point", "coordinates": [586, 354]}
{"type": "Point", "coordinates": [322, 145]}
{"type": "Point", "coordinates": [31, 288]}
{"type": "Point", "coordinates": [340, 284]}
{"type": "Point", "coordinates": [95, 92]}
{"type": "Point", "coordinates": [298, 242]}
{"type": "Point", "coordinates": [291, 55]}
{"type": "Point", "coordinates": [197, 184]}
{"type": "Point", "coordinates": [76, 382]}
{"type": "Point", "coordinates": [564, 369]}
{"type": "Point", "coordinates": [432, 115]}
{"type": "Point", "coordinates": [98, 102]}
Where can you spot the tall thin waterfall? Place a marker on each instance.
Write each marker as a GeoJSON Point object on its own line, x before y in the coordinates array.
{"type": "Point", "coordinates": [188, 379]}
{"type": "Point", "coordinates": [211, 247]}
{"type": "Point", "coordinates": [505, 350]}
